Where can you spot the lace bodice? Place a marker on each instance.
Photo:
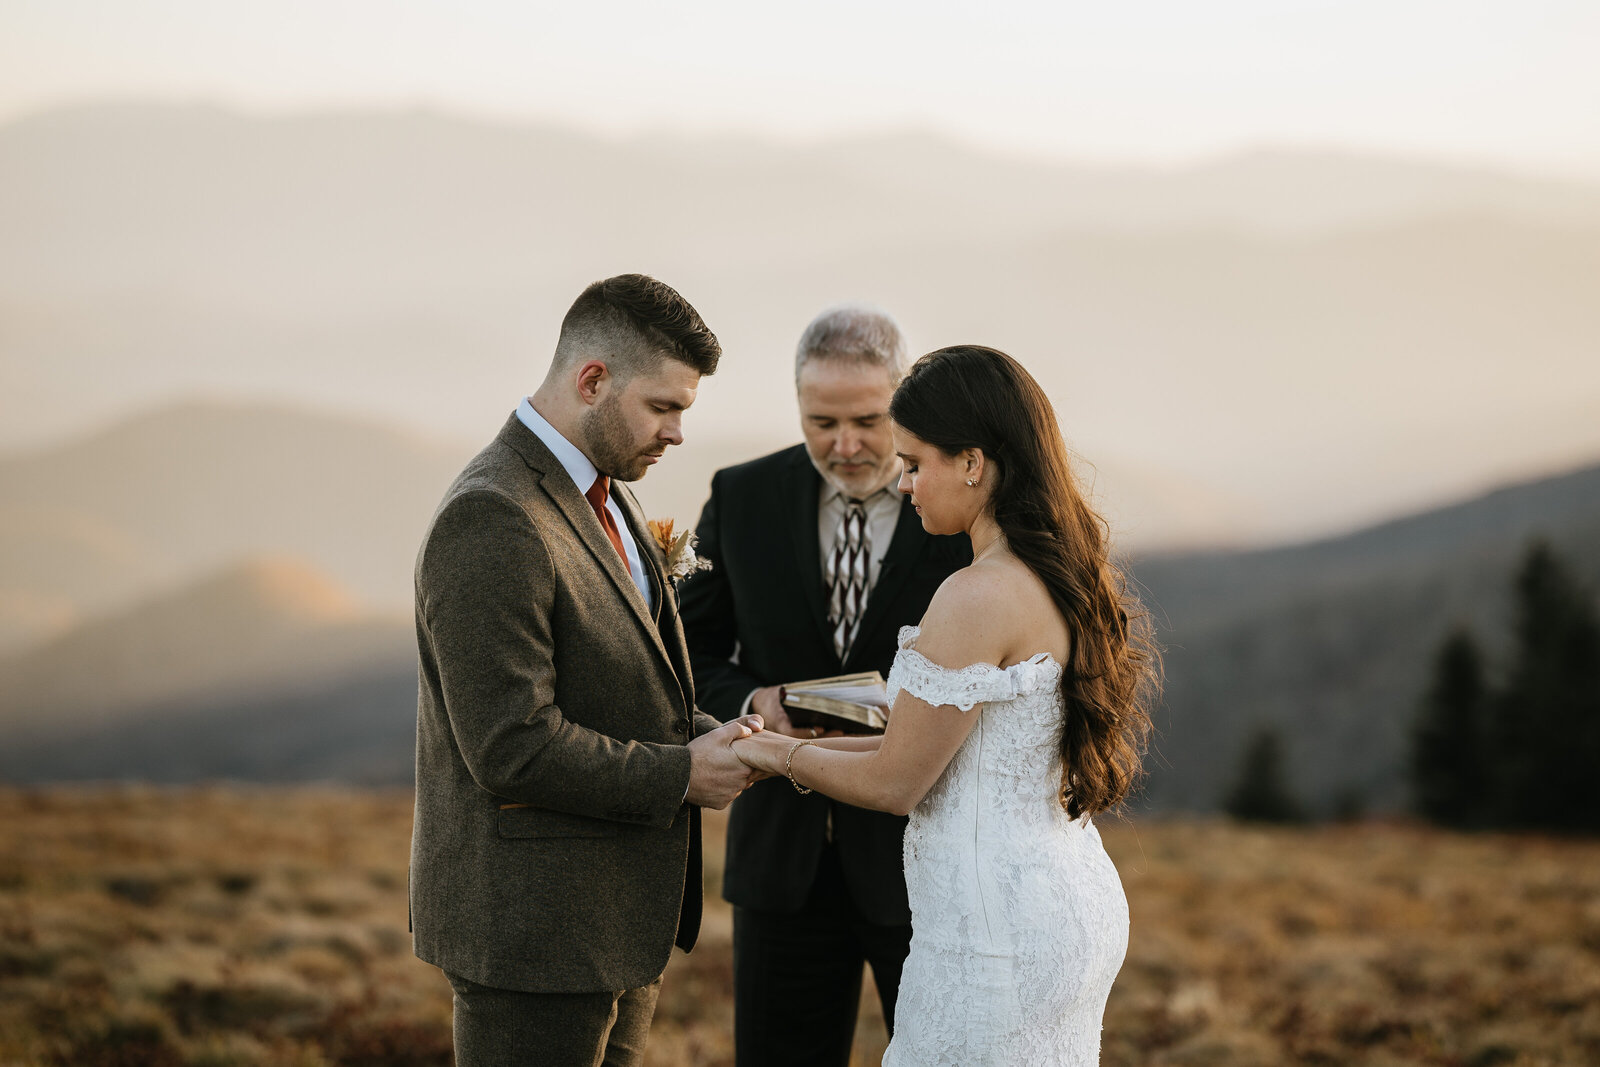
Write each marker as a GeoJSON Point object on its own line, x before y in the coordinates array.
{"type": "Point", "coordinates": [1019, 923]}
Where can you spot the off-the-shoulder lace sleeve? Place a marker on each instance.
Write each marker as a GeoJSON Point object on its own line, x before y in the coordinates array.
{"type": "Point", "coordinates": [965, 687]}
{"type": "Point", "coordinates": [962, 687]}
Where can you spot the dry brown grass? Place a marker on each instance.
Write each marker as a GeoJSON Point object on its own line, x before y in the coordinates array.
{"type": "Point", "coordinates": [242, 927]}
{"type": "Point", "coordinates": [1363, 944]}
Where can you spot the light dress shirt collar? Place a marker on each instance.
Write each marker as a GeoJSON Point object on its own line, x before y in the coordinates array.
{"type": "Point", "coordinates": [577, 464]}
{"type": "Point", "coordinates": [583, 474]}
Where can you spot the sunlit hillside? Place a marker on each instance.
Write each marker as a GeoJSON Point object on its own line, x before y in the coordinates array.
{"type": "Point", "coordinates": [164, 498]}
{"type": "Point", "coordinates": [261, 626]}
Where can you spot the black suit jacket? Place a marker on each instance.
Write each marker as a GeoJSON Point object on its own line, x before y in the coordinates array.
{"type": "Point", "coordinates": [758, 618]}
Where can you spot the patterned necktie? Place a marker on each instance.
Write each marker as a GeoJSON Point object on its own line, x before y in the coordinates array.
{"type": "Point", "coordinates": [847, 576]}
{"type": "Point", "coordinates": [596, 496]}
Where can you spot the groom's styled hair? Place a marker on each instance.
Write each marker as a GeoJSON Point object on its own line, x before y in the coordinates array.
{"type": "Point", "coordinates": [632, 322]}
{"type": "Point", "coordinates": [854, 333]}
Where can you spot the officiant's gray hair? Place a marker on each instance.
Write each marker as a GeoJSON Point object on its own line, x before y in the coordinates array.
{"type": "Point", "coordinates": [857, 333]}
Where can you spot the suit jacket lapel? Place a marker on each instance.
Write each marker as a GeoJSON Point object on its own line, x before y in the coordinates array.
{"type": "Point", "coordinates": [907, 544]}
{"type": "Point", "coordinates": [655, 563]}
{"type": "Point", "coordinates": [569, 500]}
{"type": "Point", "coordinates": [803, 493]}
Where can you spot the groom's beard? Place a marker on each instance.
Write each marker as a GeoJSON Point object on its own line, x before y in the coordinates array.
{"type": "Point", "coordinates": [612, 447]}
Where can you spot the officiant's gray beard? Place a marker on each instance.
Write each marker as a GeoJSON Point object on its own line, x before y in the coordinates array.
{"type": "Point", "coordinates": [858, 486]}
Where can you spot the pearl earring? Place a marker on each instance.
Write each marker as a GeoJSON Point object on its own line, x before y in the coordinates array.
{"type": "Point", "coordinates": [972, 482]}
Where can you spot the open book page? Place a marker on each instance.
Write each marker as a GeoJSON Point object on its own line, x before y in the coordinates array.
{"type": "Point", "coordinates": [855, 703]}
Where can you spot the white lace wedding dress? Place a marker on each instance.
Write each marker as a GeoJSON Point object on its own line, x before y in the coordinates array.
{"type": "Point", "coordinates": [1018, 919]}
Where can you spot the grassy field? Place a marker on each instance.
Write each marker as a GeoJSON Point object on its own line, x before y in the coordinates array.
{"type": "Point", "coordinates": [242, 927]}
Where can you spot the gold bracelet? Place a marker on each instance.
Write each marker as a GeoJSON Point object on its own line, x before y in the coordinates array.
{"type": "Point", "coordinates": [788, 766]}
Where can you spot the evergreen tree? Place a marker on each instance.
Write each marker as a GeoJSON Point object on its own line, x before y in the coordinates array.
{"type": "Point", "coordinates": [1449, 773]}
{"type": "Point", "coordinates": [1261, 791]}
{"type": "Point", "coordinates": [1547, 722]}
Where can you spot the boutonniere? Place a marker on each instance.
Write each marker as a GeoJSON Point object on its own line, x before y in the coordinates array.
{"type": "Point", "coordinates": [679, 549]}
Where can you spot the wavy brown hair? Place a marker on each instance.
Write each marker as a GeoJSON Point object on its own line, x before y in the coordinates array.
{"type": "Point", "coordinates": [973, 397]}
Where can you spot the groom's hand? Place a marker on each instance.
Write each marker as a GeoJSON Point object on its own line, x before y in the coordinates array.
{"type": "Point", "coordinates": [716, 775]}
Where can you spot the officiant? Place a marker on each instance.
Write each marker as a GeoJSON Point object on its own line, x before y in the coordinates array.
{"type": "Point", "coordinates": [817, 561]}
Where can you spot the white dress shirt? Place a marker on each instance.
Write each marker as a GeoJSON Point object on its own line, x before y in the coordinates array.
{"type": "Point", "coordinates": [583, 474]}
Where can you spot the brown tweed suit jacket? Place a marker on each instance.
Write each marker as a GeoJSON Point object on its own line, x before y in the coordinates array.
{"type": "Point", "coordinates": [544, 681]}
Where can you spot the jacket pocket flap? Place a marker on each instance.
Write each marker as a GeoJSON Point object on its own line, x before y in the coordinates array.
{"type": "Point", "coordinates": [542, 822]}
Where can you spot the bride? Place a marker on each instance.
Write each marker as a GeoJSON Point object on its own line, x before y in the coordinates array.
{"type": "Point", "coordinates": [1019, 710]}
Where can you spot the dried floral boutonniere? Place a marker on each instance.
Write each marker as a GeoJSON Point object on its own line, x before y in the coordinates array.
{"type": "Point", "coordinates": [679, 550]}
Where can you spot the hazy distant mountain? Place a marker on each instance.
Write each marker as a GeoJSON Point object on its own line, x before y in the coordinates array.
{"type": "Point", "coordinates": [261, 626]}
{"type": "Point", "coordinates": [199, 199]}
{"type": "Point", "coordinates": [186, 489]}
{"type": "Point", "coordinates": [98, 523]}
{"type": "Point", "coordinates": [337, 216]}
{"type": "Point", "coordinates": [266, 671]}
{"type": "Point", "coordinates": [1325, 382]}
{"type": "Point", "coordinates": [58, 565]}
{"type": "Point", "coordinates": [1333, 641]}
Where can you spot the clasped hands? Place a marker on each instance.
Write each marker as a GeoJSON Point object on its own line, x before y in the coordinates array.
{"type": "Point", "coordinates": [768, 751]}
{"type": "Point", "coordinates": [724, 762]}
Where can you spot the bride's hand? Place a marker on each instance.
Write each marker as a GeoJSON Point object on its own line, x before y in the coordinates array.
{"type": "Point", "coordinates": [764, 752]}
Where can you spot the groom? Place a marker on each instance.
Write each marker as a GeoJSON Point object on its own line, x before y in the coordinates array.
{"type": "Point", "coordinates": [561, 762]}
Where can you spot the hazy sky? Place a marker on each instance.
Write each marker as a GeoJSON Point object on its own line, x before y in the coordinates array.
{"type": "Point", "coordinates": [1509, 83]}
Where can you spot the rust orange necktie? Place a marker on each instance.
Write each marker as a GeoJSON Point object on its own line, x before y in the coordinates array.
{"type": "Point", "coordinates": [597, 499]}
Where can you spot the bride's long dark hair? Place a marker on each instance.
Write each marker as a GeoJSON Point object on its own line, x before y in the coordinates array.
{"type": "Point", "coordinates": [973, 397]}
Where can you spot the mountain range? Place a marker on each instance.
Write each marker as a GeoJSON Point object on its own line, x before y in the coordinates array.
{"type": "Point", "coordinates": [242, 356]}
{"type": "Point", "coordinates": [271, 210]}
{"type": "Point", "coordinates": [1331, 643]}
{"type": "Point", "coordinates": [177, 492]}
{"type": "Point", "coordinates": [267, 671]}
{"type": "Point", "coordinates": [1301, 342]}
{"type": "Point", "coordinates": [254, 671]}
